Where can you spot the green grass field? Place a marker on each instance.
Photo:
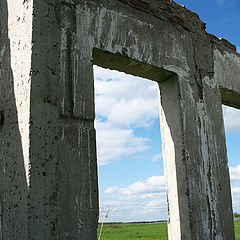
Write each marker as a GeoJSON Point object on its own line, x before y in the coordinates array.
{"type": "Point", "coordinates": [143, 231]}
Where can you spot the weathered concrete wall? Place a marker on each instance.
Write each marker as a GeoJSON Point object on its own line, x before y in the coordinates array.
{"type": "Point", "coordinates": [15, 64]}
{"type": "Point", "coordinates": [50, 178]}
{"type": "Point", "coordinates": [198, 175]}
{"type": "Point", "coordinates": [63, 195]}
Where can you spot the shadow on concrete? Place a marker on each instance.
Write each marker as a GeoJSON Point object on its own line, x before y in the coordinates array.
{"type": "Point", "coordinates": [13, 190]}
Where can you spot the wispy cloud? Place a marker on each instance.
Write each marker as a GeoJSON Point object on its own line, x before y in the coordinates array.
{"type": "Point", "coordinates": [235, 173]}
{"type": "Point", "coordinates": [238, 49]}
{"type": "Point", "coordinates": [157, 157]}
{"type": "Point", "coordinates": [111, 190]}
{"type": "Point", "coordinates": [221, 2]}
{"type": "Point", "coordinates": [142, 200]}
{"type": "Point", "coordinates": [235, 186]}
{"type": "Point", "coordinates": [154, 184]}
{"type": "Point", "coordinates": [146, 199]}
{"type": "Point", "coordinates": [114, 142]}
{"type": "Point", "coordinates": [123, 102]}
{"type": "Point", "coordinates": [231, 119]}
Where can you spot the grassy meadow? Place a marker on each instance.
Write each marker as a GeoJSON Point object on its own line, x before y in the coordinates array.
{"type": "Point", "coordinates": [143, 231]}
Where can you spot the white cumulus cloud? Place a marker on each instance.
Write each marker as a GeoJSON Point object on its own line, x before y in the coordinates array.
{"type": "Point", "coordinates": [125, 100]}
{"type": "Point", "coordinates": [114, 142]}
{"type": "Point", "coordinates": [236, 190]}
{"type": "Point", "coordinates": [143, 201]}
{"type": "Point", "coordinates": [235, 173]}
{"type": "Point", "coordinates": [151, 185]}
{"type": "Point", "coordinates": [111, 190]}
{"type": "Point", "coordinates": [231, 119]}
{"type": "Point", "coordinates": [235, 186]}
{"type": "Point", "coordinates": [155, 204]}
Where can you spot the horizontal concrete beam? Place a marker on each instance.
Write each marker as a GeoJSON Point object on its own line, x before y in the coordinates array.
{"type": "Point", "coordinates": [227, 75]}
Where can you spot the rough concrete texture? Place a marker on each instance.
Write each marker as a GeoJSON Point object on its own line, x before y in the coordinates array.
{"type": "Point", "coordinates": [15, 65]}
{"type": "Point", "coordinates": [48, 143]}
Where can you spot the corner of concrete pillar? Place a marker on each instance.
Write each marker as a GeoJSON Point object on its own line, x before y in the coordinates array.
{"type": "Point", "coordinates": [15, 64]}
{"type": "Point", "coordinates": [198, 184]}
{"type": "Point", "coordinates": [174, 169]}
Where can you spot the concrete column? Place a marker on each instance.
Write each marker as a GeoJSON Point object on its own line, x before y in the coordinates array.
{"type": "Point", "coordinates": [78, 187]}
{"type": "Point", "coordinates": [63, 189]}
{"type": "Point", "coordinates": [43, 188]}
{"type": "Point", "coordinates": [196, 171]}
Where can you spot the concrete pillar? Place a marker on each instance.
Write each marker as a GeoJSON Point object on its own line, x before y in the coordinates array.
{"type": "Point", "coordinates": [196, 170]}
{"type": "Point", "coordinates": [78, 203]}
{"type": "Point", "coordinates": [63, 189]}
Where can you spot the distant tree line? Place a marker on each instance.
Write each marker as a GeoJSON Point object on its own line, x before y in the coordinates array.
{"type": "Point", "coordinates": [236, 215]}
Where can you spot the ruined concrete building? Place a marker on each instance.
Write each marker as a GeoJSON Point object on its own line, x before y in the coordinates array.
{"type": "Point", "coordinates": [48, 167]}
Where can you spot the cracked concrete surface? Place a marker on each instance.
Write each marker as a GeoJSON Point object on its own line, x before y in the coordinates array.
{"type": "Point", "coordinates": [48, 143]}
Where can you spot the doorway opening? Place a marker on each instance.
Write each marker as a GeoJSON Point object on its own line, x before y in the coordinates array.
{"type": "Point", "coordinates": [232, 132]}
{"type": "Point", "coordinates": [130, 167]}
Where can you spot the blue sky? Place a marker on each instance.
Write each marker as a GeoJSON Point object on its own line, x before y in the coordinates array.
{"type": "Point", "coordinates": [130, 162]}
{"type": "Point", "coordinates": [221, 16]}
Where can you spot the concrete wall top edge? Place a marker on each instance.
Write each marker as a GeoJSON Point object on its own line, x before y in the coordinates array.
{"type": "Point", "coordinates": [159, 15]}
{"type": "Point", "coordinates": [118, 28]}
{"type": "Point", "coordinates": [169, 11]}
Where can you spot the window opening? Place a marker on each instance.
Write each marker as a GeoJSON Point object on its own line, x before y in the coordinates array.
{"type": "Point", "coordinates": [232, 132]}
{"type": "Point", "coordinates": [130, 166]}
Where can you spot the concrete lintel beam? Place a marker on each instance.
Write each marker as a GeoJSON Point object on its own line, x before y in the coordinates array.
{"type": "Point", "coordinates": [227, 75]}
